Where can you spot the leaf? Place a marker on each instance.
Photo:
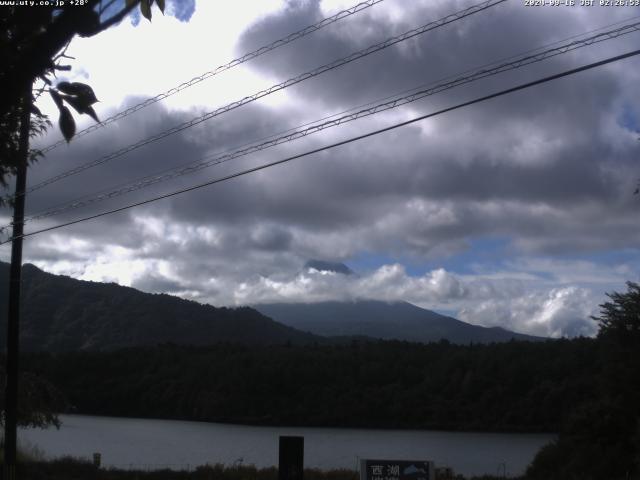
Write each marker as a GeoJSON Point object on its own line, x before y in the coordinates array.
{"type": "Point", "coordinates": [89, 23]}
{"type": "Point", "coordinates": [77, 103]}
{"type": "Point", "coordinates": [131, 3]}
{"type": "Point", "coordinates": [92, 113]}
{"type": "Point", "coordinates": [160, 4]}
{"type": "Point", "coordinates": [57, 99]}
{"type": "Point", "coordinates": [67, 124]}
{"type": "Point", "coordinates": [65, 87]}
{"type": "Point", "coordinates": [145, 9]}
{"type": "Point", "coordinates": [79, 89]}
{"type": "Point", "coordinates": [81, 106]}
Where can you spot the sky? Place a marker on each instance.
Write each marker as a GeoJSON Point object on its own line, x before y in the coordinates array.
{"type": "Point", "coordinates": [517, 212]}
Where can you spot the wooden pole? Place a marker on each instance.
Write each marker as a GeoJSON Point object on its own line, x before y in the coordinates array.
{"type": "Point", "coordinates": [15, 283]}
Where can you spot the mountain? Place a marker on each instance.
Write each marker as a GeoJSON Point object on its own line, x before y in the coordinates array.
{"type": "Point", "coordinates": [60, 313]}
{"type": "Point", "coordinates": [385, 320]}
{"type": "Point", "coordinates": [324, 266]}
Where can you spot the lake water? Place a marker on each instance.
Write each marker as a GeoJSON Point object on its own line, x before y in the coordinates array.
{"type": "Point", "coordinates": [154, 444]}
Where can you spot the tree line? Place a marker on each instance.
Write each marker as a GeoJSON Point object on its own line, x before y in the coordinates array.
{"type": "Point", "coordinates": [516, 386]}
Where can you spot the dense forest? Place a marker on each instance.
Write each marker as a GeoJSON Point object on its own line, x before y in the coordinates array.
{"type": "Point", "coordinates": [516, 386]}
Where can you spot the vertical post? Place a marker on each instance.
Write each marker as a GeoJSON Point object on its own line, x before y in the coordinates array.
{"type": "Point", "coordinates": [15, 279]}
{"type": "Point", "coordinates": [291, 458]}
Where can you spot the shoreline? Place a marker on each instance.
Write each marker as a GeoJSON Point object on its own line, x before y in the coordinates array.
{"type": "Point", "coordinates": [249, 424]}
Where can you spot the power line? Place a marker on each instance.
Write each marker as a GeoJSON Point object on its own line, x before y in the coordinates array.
{"type": "Point", "coordinates": [340, 143]}
{"type": "Point", "coordinates": [233, 63]}
{"type": "Point", "coordinates": [471, 75]}
{"type": "Point", "coordinates": [275, 88]}
{"type": "Point", "coordinates": [318, 127]}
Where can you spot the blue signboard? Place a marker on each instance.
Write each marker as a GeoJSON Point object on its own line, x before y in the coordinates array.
{"type": "Point", "coordinates": [396, 470]}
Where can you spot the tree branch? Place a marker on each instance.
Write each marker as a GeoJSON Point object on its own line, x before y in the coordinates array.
{"type": "Point", "coordinates": [35, 59]}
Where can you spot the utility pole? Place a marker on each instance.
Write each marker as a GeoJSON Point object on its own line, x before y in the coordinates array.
{"type": "Point", "coordinates": [15, 283]}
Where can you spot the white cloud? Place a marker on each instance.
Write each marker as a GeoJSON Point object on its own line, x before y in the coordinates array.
{"type": "Point", "coordinates": [152, 57]}
{"type": "Point", "coordinates": [553, 313]}
{"type": "Point", "coordinates": [538, 296]}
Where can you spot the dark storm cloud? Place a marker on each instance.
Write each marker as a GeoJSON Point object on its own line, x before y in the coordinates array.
{"type": "Point", "coordinates": [107, 140]}
{"type": "Point", "coordinates": [502, 31]}
{"type": "Point", "coordinates": [210, 138]}
{"type": "Point", "coordinates": [488, 177]}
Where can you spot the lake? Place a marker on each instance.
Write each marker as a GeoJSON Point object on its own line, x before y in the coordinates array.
{"type": "Point", "coordinates": [155, 444]}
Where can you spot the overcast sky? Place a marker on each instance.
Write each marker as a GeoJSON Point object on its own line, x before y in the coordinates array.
{"type": "Point", "coordinates": [518, 212]}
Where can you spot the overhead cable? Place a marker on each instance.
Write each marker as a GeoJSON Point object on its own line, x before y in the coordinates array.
{"type": "Point", "coordinates": [340, 143]}
{"type": "Point", "coordinates": [275, 88]}
{"type": "Point", "coordinates": [233, 63]}
{"type": "Point", "coordinates": [318, 127]}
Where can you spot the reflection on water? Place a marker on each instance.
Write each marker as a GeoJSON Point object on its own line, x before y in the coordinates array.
{"type": "Point", "coordinates": [127, 442]}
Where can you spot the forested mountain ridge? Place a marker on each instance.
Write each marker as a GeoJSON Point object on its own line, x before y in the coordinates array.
{"type": "Point", "coordinates": [384, 320]}
{"type": "Point", "coordinates": [60, 313]}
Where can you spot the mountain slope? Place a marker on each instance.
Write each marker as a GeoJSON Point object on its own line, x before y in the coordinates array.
{"type": "Point", "coordinates": [60, 313]}
{"type": "Point", "coordinates": [394, 320]}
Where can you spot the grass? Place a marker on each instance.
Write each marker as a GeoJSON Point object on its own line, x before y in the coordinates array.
{"type": "Point", "coordinates": [25, 453]}
{"type": "Point", "coordinates": [74, 469]}
{"type": "Point", "coordinates": [68, 468]}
